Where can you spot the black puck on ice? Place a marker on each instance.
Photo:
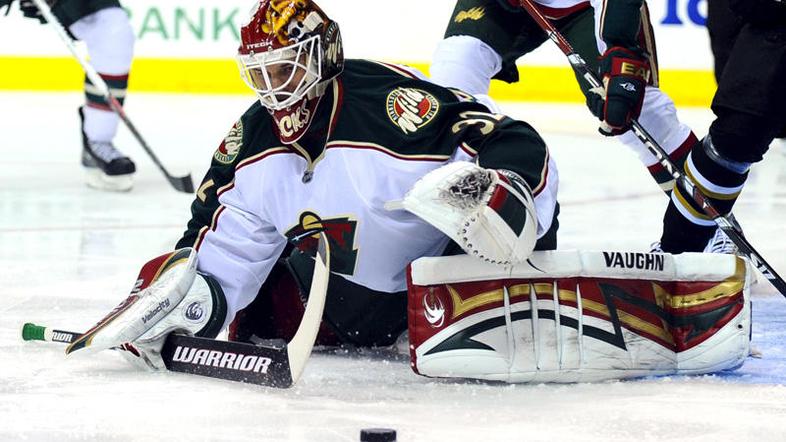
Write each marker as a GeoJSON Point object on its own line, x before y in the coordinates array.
{"type": "Point", "coordinates": [377, 435]}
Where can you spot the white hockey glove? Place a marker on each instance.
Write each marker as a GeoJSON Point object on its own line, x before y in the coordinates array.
{"type": "Point", "coordinates": [490, 213]}
{"type": "Point", "coordinates": [169, 296]}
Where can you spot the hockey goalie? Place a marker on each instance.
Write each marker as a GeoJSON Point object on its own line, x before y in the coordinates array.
{"type": "Point", "coordinates": [392, 169]}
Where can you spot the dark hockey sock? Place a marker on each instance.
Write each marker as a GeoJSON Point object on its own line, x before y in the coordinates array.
{"type": "Point", "coordinates": [716, 181]}
{"type": "Point", "coordinates": [117, 87]}
{"type": "Point", "coordinates": [685, 226]}
{"type": "Point", "coordinates": [678, 156]}
{"type": "Point", "coordinates": [681, 235]}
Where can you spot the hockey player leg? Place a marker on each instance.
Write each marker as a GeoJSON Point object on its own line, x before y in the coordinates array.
{"type": "Point", "coordinates": [749, 107]}
{"type": "Point", "coordinates": [482, 41]}
{"type": "Point", "coordinates": [169, 296]}
{"type": "Point", "coordinates": [465, 63]}
{"type": "Point", "coordinates": [579, 316]}
{"type": "Point", "coordinates": [658, 114]}
{"type": "Point", "coordinates": [110, 42]}
{"type": "Point", "coordinates": [686, 227]}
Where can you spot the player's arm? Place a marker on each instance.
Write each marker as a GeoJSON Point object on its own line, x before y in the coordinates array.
{"type": "Point", "coordinates": [496, 141]}
{"type": "Point", "coordinates": [235, 246]}
{"type": "Point", "coordinates": [497, 202]}
{"type": "Point", "coordinates": [218, 179]}
{"type": "Point", "coordinates": [221, 262]}
{"type": "Point", "coordinates": [624, 67]}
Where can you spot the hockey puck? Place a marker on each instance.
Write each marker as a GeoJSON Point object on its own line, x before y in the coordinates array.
{"type": "Point", "coordinates": [377, 435]}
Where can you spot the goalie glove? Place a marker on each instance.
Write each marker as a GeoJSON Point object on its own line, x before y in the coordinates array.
{"type": "Point", "coordinates": [490, 213]}
{"type": "Point", "coordinates": [169, 296]}
{"type": "Point", "coordinates": [625, 74]}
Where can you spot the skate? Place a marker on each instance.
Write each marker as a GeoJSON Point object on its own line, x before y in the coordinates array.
{"type": "Point", "coordinates": [106, 168]}
{"type": "Point", "coordinates": [719, 243]}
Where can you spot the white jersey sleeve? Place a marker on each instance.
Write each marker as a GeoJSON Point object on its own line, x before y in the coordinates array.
{"type": "Point", "coordinates": [239, 250]}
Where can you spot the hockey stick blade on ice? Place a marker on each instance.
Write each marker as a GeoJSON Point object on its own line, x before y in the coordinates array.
{"type": "Point", "coordinates": [723, 222]}
{"type": "Point", "coordinates": [271, 366]}
{"type": "Point", "coordinates": [247, 363]}
{"type": "Point", "coordinates": [181, 183]}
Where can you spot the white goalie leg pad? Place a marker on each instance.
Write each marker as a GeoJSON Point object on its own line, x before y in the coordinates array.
{"type": "Point", "coordinates": [489, 213]}
{"type": "Point", "coordinates": [579, 316]}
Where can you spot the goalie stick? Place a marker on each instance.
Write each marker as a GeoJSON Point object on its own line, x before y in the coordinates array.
{"type": "Point", "coordinates": [723, 221]}
{"type": "Point", "coordinates": [181, 183]}
{"type": "Point", "coordinates": [277, 366]}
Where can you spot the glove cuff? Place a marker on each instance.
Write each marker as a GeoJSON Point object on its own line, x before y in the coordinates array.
{"type": "Point", "coordinates": [624, 62]}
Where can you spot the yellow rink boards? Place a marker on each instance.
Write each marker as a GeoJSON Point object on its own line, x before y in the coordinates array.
{"type": "Point", "coordinates": [220, 76]}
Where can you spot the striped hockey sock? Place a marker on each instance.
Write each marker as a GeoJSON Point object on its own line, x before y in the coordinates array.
{"type": "Point", "coordinates": [685, 226]}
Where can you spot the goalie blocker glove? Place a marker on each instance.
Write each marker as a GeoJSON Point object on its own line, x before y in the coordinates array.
{"type": "Point", "coordinates": [489, 213]}
{"type": "Point", "coordinates": [625, 74]}
{"type": "Point", "coordinates": [170, 296]}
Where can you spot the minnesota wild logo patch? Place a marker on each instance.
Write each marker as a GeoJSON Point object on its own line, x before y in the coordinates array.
{"type": "Point", "coordinates": [341, 235]}
{"type": "Point", "coordinates": [410, 109]}
{"type": "Point", "coordinates": [230, 147]}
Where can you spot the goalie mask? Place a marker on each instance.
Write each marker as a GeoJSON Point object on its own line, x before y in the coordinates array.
{"type": "Point", "coordinates": [288, 53]}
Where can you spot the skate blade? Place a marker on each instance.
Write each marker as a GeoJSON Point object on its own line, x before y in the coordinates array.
{"type": "Point", "coordinates": [97, 179]}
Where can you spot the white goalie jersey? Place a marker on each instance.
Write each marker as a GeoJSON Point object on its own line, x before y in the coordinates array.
{"type": "Point", "coordinates": [579, 316]}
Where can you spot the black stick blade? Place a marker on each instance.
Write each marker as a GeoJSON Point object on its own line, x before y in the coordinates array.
{"type": "Point", "coordinates": [182, 183]}
{"type": "Point", "coordinates": [233, 361]}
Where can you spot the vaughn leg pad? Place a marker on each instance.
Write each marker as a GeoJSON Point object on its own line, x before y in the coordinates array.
{"type": "Point", "coordinates": [568, 316]}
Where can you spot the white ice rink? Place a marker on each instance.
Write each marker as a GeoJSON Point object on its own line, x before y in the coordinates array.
{"type": "Point", "coordinates": [69, 254]}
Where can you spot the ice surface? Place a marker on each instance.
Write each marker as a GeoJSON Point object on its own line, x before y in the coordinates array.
{"type": "Point", "coordinates": [68, 254]}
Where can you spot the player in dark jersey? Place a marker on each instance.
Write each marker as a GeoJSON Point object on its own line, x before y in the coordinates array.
{"type": "Point", "coordinates": [749, 105]}
{"type": "Point", "coordinates": [336, 146]}
{"type": "Point", "coordinates": [104, 27]}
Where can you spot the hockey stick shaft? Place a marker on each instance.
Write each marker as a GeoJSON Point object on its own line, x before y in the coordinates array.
{"type": "Point", "coordinates": [183, 183]}
{"type": "Point", "coordinates": [33, 332]}
{"type": "Point", "coordinates": [681, 180]}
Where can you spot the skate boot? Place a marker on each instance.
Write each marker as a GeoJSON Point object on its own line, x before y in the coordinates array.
{"type": "Point", "coordinates": [719, 243]}
{"type": "Point", "coordinates": [106, 167]}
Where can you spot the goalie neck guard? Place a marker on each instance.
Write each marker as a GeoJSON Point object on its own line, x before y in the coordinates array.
{"type": "Point", "coordinates": [288, 53]}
